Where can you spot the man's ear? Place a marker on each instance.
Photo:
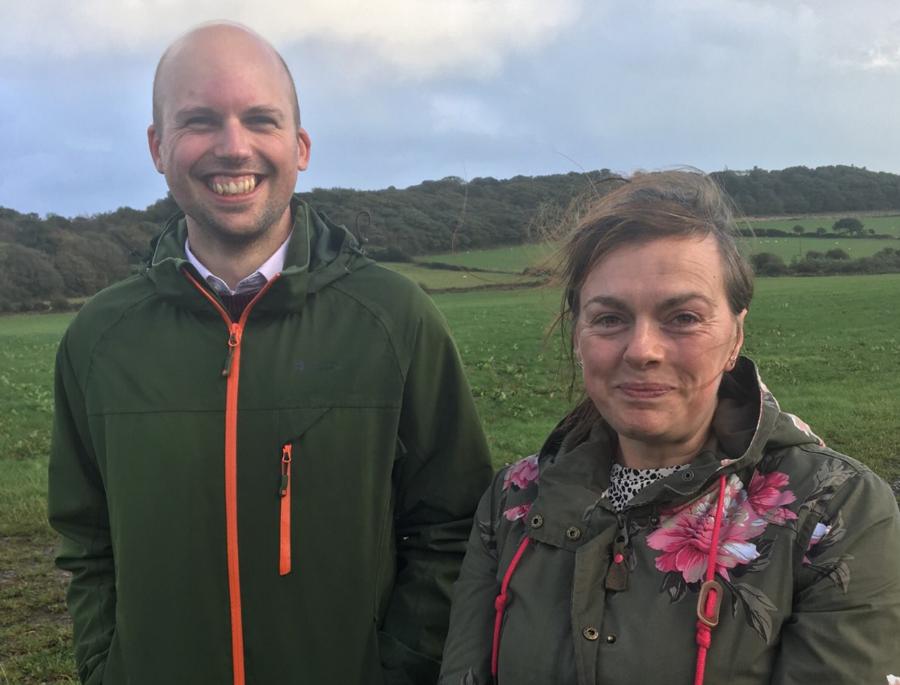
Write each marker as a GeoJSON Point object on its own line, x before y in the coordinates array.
{"type": "Point", "coordinates": [303, 146]}
{"type": "Point", "coordinates": [154, 142]}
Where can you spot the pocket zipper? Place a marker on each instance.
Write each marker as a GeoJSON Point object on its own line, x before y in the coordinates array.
{"type": "Point", "coordinates": [284, 490]}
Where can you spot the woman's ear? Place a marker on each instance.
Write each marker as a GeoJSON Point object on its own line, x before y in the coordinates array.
{"type": "Point", "coordinates": [738, 341]}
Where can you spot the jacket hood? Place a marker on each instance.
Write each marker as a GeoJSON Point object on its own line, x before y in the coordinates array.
{"type": "Point", "coordinates": [748, 423]}
{"type": "Point", "coordinates": [319, 253]}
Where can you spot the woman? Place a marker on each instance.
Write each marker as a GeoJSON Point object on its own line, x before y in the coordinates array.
{"type": "Point", "coordinates": [677, 526]}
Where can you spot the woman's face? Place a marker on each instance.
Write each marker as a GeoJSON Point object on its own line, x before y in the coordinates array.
{"type": "Point", "coordinates": [655, 334]}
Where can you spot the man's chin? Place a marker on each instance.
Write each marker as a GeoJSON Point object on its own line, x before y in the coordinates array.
{"type": "Point", "coordinates": [235, 229]}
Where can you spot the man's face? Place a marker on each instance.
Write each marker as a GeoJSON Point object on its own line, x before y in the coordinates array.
{"type": "Point", "coordinates": [229, 145]}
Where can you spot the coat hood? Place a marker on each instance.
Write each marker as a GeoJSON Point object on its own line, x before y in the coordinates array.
{"type": "Point", "coordinates": [319, 253]}
{"type": "Point", "coordinates": [748, 424]}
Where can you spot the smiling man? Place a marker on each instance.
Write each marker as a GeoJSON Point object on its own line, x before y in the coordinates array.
{"type": "Point", "coordinates": [265, 455]}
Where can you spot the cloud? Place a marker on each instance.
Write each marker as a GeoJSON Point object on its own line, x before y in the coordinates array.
{"type": "Point", "coordinates": [464, 114]}
{"type": "Point", "coordinates": [417, 38]}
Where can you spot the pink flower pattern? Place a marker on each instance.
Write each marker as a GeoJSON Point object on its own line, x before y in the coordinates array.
{"type": "Point", "coordinates": [767, 497]}
{"type": "Point", "coordinates": [819, 532]}
{"type": "Point", "coordinates": [801, 425]}
{"type": "Point", "coordinates": [522, 473]}
{"type": "Point", "coordinates": [684, 535]}
{"type": "Point", "coordinates": [516, 513]}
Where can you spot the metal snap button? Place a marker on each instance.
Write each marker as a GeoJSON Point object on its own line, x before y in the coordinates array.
{"type": "Point", "coordinates": [590, 633]}
{"type": "Point", "coordinates": [573, 533]}
{"type": "Point", "coordinates": [610, 639]}
{"type": "Point", "coordinates": [687, 475]}
{"type": "Point", "coordinates": [537, 521]}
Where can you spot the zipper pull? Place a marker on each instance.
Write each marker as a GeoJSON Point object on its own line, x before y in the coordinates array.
{"type": "Point", "coordinates": [286, 452]}
{"type": "Point", "coordinates": [234, 339]}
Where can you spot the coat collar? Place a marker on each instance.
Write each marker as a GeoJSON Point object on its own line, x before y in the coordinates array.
{"type": "Point", "coordinates": [319, 253]}
{"type": "Point", "coordinates": [574, 475]}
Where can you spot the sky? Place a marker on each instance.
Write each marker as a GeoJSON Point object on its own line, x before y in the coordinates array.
{"type": "Point", "coordinates": [394, 92]}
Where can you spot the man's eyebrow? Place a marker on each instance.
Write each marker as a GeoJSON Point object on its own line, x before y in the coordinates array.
{"type": "Point", "coordinates": [189, 112]}
{"type": "Point", "coordinates": [263, 110]}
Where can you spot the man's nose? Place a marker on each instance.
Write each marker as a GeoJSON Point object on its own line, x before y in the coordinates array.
{"type": "Point", "coordinates": [233, 141]}
{"type": "Point", "coordinates": [645, 345]}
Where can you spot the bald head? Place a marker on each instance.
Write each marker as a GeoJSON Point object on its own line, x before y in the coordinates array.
{"type": "Point", "coordinates": [218, 36]}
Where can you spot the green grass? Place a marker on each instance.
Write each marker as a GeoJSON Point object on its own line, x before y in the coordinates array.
{"type": "Point", "coordinates": [882, 224]}
{"type": "Point", "coordinates": [513, 258]}
{"type": "Point", "coordinates": [829, 348]}
{"type": "Point", "coordinates": [789, 248]}
{"type": "Point", "coordinates": [35, 645]}
{"type": "Point", "coordinates": [435, 279]}
{"type": "Point", "coordinates": [516, 258]}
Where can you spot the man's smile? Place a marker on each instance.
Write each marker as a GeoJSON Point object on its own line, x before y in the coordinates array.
{"type": "Point", "coordinates": [232, 185]}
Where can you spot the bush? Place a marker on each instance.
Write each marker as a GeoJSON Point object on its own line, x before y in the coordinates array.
{"type": "Point", "coordinates": [813, 254]}
{"type": "Point", "coordinates": [60, 304]}
{"type": "Point", "coordinates": [768, 264]}
{"type": "Point", "coordinates": [848, 224]}
{"type": "Point", "coordinates": [388, 254]}
{"type": "Point", "coordinates": [837, 253]}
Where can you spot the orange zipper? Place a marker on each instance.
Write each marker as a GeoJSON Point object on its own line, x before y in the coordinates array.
{"type": "Point", "coordinates": [231, 371]}
{"type": "Point", "coordinates": [284, 530]}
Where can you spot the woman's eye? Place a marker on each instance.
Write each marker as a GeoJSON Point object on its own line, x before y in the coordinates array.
{"type": "Point", "coordinates": [606, 320]}
{"type": "Point", "coordinates": [685, 319]}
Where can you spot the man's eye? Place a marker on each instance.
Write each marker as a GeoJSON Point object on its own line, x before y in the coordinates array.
{"type": "Point", "coordinates": [261, 122]}
{"type": "Point", "coordinates": [198, 122]}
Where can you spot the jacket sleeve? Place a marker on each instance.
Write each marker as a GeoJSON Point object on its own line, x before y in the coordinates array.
{"type": "Point", "coordinates": [845, 627]}
{"type": "Point", "coordinates": [442, 469]}
{"type": "Point", "coordinates": [467, 654]}
{"type": "Point", "coordinates": [77, 510]}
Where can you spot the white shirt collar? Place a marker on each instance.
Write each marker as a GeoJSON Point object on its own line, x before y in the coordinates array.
{"type": "Point", "coordinates": [267, 270]}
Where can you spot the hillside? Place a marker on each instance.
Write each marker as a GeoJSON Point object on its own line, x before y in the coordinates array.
{"type": "Point", "coordinates": [54, 257]}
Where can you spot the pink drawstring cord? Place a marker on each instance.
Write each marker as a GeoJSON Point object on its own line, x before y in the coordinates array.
{"type": "Point", "coordinates": [500, 604]}
{"type": "Point", "coordinates": [710, 592]}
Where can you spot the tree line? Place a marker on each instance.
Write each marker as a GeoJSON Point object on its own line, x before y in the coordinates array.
{"type": "Point", "coordinates": [53, 258]}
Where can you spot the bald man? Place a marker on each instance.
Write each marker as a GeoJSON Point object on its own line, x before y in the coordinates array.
{"type": "Point", "coordinates": [265, 455]}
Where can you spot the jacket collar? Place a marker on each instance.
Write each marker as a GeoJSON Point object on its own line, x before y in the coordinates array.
{"type": "Point", "coordinates": [318, 253]}
{"type": "Point", "coordinates": [573, 476]}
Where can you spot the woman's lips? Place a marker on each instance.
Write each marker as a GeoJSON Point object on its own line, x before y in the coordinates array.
{"type": "Point", "coordinates": [644, 391]}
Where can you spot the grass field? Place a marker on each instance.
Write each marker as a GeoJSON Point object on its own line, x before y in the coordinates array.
{"type": "Point", "coordinates": [829, 348]}
{"type": "Point", "coordinates": [516, 258]}
{"type": "Point", "coordinates": [513, 258]}
{"type": "Point", "coordinates": [886, 224]}
{"type": "Point", "coordinates": [789, 248]}
{"type": "Point", "coordinates": [435, 279]}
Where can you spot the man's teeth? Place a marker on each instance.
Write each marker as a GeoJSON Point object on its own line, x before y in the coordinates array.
{"type": "Point", "coordinates": [237, 186]}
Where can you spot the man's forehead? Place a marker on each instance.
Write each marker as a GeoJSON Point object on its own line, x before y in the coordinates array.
{"type": "Point", "coordinates": [200, 64]}
{"type": "Point", "coordinates": [217, 44]}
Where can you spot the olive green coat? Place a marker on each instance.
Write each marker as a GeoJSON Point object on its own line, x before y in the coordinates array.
{"type": "Point", "coordinates": [809, 558]}
{"type": "Point", "coordinates": [345, 362]}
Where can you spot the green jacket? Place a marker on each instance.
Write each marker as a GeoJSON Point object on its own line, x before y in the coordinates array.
{"type": "Point", "coordinates": [323, 549]}
{"type": "Point", "coordinates": [809, 559]}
